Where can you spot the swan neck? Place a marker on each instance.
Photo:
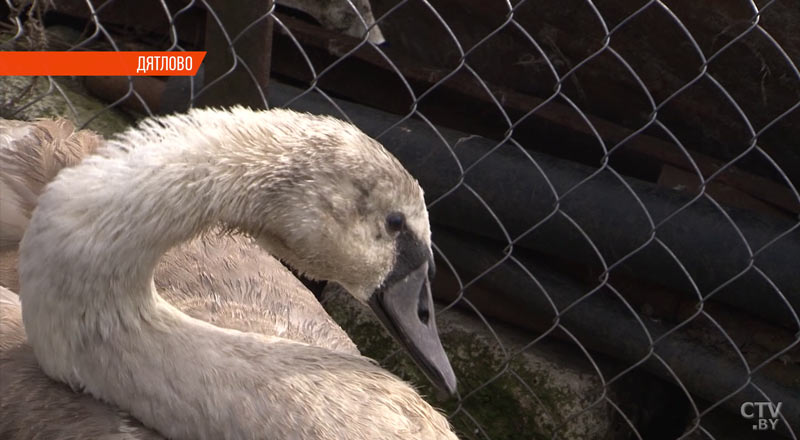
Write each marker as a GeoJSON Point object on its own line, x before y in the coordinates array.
{"type": "Point", "coordinates": [112, 234]}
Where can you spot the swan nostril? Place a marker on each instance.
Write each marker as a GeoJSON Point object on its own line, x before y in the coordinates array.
{"type": "Point", "coordinates": [424, 315]}
{"type": "Point", "coordinates": [423, 311]}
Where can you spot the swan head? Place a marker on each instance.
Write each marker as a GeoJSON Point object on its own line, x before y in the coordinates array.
{"type": "Point", "coordinates": [341, 208]}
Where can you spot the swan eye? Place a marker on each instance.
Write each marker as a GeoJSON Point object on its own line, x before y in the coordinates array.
{"type": "Point", "coordinates": [395, 221]}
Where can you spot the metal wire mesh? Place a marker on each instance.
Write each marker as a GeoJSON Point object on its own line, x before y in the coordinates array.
{"type": "Point", "coordinates": [727, 261]}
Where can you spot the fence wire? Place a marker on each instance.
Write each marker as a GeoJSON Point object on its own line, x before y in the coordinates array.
{"type": "Point", "coordinates": [683, 273]}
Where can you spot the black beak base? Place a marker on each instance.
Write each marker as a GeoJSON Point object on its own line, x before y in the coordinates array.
{"type": "Point", "coordinates": [405, 308]}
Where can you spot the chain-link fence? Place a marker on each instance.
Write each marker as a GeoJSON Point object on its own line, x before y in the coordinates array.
{"type": "Point", "coordinates": [617, 179]}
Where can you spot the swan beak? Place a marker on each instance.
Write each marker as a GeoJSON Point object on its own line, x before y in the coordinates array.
{"type": "Point", "coordinates": [405, 308]}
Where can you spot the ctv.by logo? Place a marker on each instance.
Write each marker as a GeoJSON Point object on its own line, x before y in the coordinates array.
{"type": "Point", "coordinates": [760, 411]}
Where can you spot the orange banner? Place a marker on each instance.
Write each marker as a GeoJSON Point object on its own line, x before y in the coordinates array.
{"type": "Point", "coordinates": [100, 63]}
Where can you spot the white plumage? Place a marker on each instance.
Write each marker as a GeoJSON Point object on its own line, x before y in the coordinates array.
{"type": "Point", "coordinates": [311, 190]}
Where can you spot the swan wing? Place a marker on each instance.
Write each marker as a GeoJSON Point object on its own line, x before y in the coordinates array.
{"type": "Point", "coordinates": [34, 406]}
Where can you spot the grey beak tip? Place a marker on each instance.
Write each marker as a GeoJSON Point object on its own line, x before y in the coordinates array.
{"type": "Point", "coordinates": [450, 383]}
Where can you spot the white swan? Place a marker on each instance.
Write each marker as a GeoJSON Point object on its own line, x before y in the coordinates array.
{"type": "Point", "coordinates": [314, 191]}
{"type": "Point", "coordinates": [222, 279]}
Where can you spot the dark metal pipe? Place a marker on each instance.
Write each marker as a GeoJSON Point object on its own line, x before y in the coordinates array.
{"type": "Point", "coordinates": [703, 240]}
{"type": "Point", "coordinates": [603, 324]}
